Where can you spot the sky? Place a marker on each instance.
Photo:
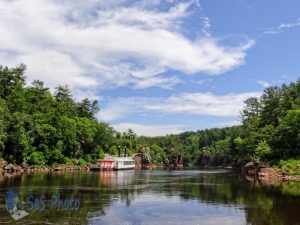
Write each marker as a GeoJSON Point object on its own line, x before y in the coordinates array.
{"type": "Point", "coordinates": [159, 66]}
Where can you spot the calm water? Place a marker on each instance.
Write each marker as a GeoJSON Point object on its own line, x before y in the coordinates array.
{"type": "Point", "coordinates": [207, 197]}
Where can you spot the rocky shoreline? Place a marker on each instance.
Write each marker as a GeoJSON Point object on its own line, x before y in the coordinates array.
{"type": "Point", "coordinates": [9, 168]}
{"type": "Point", "coordinates": [25, 168]}
{"type": "Point", "coordinates": [263, 172]}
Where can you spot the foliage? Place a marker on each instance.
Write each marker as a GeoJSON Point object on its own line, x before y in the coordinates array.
{"type": "Point", "coordinates": [158, 155]}
{"type": "Point", "coordinates": [113, 151]}
{"type": "Point", "coordinates": [40, 127]}
{"type": "Point", "coordinates": [36, 158]}
{"type": "Point", "coordinates": [82, 162]}
{"type": "Point", "coordinates": [101, 154]}
{"type": "Point", "coordinates": [291, 166]}
{"type": "Point", "coordinates": [270, 132]}
{"type": "Point", "coordinates": [68, 161]}
{"type": "Point", "coordinates": [262, 150]}
{"type": "Point", "coordinates": [37, 126]}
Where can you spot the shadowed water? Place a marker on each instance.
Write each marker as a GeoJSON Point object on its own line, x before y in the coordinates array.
{"type": "Point", "coordinates": [152, 197]}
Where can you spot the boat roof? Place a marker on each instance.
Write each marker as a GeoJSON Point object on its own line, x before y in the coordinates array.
{"type": "Point", "coordinates": [118, 159]}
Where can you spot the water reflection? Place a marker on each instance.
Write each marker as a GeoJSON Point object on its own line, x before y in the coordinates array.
{"type": "Point", "coordinates": [157, 197]}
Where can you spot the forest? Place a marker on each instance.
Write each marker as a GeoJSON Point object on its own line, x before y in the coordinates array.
{"type": "Point", "coordinates": [39, 127]}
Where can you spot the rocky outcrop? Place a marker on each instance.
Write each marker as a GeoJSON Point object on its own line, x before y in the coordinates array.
{"type": "Point", "coordinates": [142, 159]}
{"type": "Point", "coordinates": [262, 172]}
{"type": "Point", "coordinates": [249, 168]}
{"type": "Point", "coordinates": [267, 173]}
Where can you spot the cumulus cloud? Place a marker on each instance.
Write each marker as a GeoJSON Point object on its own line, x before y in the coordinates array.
{"type": "Point", "coordinates": [115, 43]}
{"type": "Point", "coordinates": [207, 104]}
{"type": "Point", "coordinates": [150, 130]}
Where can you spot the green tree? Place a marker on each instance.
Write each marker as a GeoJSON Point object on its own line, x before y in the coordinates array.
{"type": "Point", "coordinates": [262, 150]}
{"type": "Point", "coordinates": [36, 158]}
{"type": "Point", "coordinates": [113, 151]}
{"type": "Point", "coordinates": [3, 125]}
{"type": "Point", "coordinates": [9, 78]}
{"type": "Point", "coordinates": [157, 154]}
{"type": "Point", "coordinates": [101, 153]}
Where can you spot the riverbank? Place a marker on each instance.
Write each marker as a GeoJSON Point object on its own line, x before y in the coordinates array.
{"type": "Point", "coordinates": [24, 167]}
{"type": "Point", "coordinates": [263, 172]}
{"type": "Point", "coordinates": [258, 171]}
{"type": "Point", "coordinates": [6, 167]}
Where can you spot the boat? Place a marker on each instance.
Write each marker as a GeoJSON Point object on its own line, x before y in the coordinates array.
{"type": "Point", "coordinates": [116, 163]}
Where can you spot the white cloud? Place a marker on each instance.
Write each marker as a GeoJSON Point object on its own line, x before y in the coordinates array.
{"type": "Point", "coordinates": [198, 103]}
{"type": "Point", "coordinates": [122, 107]}
{"type": "Point", "coordinates": [203, 104]}
{"type": "Point", "coordinates": [263, 83]}
{"type": "Point", "coordinates": [230, 123]}
{"type": "Point", "coordinates": [202, 81]}
{"type": "Point", "coordinates": [282, 27]}
{"type": "Point", "coordinates": [116, 43]}
{"type": "Point", "coordinates": [159, 81]}
{"type": "Point", "coordinates": [150, 130]}
{"type": "Point", "coordinates": [79, 95]}
{"type": "Point", "coordinates": [206, 26]}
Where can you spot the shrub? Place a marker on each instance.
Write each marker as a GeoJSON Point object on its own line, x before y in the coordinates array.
{"type": "Point", "coordinates": [68, 161]}
{"type": "Point", "coordinates": [36, 158]}
{"type": "Point", "coordinates": [291, 166]}
{"type": "Point", "coordinates": [113, 151]}
{"type": "Point", "coordinates": [128, 152]}
{"type": "Point", "coordinates": [87, 158]}
{"type": "Point", "coordinates": [101, 154]}
{"type": "Point", "coordinates": [262, 150]}
{"type": "Point", "coordinates": [82, 162]}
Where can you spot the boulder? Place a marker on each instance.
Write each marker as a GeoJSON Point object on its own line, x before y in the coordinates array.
{"type": "Point", "coordinates": [25, 165]}
{"type": "Point", "coordinates": [10, 167]}
{"type": "Point", "coordinates": [267, 172]}
{"type": "Point", "coordinates": [3, 163]}
{"type": "Point", "coordinates": [284, 172]}
{"type": "Point", "coordinates": [249, 168]}
{"type": "Point", "coordinates": [58, 168]}
{"type": "Point", "coordinates": [249, 165]}
{"type": "Point", "coordinates": [6, 168]}
{"type": "Point", "coordinates": [251, 172]}
{"type": "Point", "coordinates": [18, 168]}
{"type": "Point", "coordinates": [13, 167]}
{"type": "Point", "coordinates": [75, 161]}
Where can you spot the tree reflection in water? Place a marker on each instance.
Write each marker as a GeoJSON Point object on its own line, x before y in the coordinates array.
{"type": "Point", "coordinates": [158, 197]}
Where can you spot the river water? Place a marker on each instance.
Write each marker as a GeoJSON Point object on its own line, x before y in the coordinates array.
{"type": "Point", "coordinates": [148, 197]}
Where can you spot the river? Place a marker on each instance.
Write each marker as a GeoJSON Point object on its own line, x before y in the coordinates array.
{"type": "Point", "coordinates": [148, 197]}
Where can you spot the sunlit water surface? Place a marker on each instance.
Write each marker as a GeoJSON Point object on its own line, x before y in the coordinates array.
{"type": "Point", "coordinates": [151, 197]}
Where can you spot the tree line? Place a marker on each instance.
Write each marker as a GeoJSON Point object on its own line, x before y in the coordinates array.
{"type": "Point", "coordinates": [39, 127]}
{"type": "Point", "coordinates": [270, 134]}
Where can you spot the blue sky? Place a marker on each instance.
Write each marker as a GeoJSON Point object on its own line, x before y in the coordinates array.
{"type": "Point", "coordinates": [161, 66]}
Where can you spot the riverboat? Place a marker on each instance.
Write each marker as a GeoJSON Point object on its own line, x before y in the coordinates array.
{"type": "Point", "coordinates": [116, 163]}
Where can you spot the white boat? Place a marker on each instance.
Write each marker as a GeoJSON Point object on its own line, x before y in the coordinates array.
{"type": "Point", "coordinates": [123, 163]}
{"type": "Point", "coordinates": [116, 163]}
